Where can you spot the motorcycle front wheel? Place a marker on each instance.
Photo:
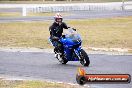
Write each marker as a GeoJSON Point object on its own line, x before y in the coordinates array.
{"type": "Point", "coordinates": [84, 58]}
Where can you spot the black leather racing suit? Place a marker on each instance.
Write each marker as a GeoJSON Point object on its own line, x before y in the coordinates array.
{"type": "Point", "coordinates": [56, 30]}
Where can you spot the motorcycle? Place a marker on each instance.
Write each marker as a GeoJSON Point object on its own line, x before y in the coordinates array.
{"type": "Point", "coordinates": [72, 50]}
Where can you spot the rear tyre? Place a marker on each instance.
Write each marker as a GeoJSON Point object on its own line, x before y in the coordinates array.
{"type": "Point", "coordinates": [84, 58]}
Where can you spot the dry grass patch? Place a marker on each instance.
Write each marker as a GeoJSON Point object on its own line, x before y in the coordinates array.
{"type": "Point", "coordinates": [33, 84]}
{"type": "Point", "coordinates": [10, 14]}
{"type": "Point", "coordinates": [26, 34]}
{"type": "Point", "coordinates": [104, 32]}
{"type": "Point", "coordinates": [30, 14]}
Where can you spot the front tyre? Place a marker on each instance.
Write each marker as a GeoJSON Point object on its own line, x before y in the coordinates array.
{"type": "Point", "coordinates": [84, 58]}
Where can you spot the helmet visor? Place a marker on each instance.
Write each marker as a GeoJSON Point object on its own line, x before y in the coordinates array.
{"type": "Point", "coordinates": [58, 19]}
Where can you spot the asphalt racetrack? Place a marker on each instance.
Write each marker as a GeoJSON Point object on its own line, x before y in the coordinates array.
{"type": "Point", "coordinates": [43, 66]}
{"type": "Point", "coordinates": [74, 15]}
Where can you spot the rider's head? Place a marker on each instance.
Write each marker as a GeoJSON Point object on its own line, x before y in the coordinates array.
{"type": "Point", "coordinates": [58, 18]}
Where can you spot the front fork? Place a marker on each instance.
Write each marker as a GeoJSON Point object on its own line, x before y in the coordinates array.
{"type": "Point", "coordinates": [77, 52]}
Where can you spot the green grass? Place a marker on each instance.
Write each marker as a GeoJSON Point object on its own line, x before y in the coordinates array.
{"type": "Point", "coordinates": [32, 84]}
{"type": "Point", "coordinates": [103, 32]}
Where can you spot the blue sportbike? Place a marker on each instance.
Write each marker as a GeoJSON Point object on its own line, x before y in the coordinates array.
{"type": "Point", "coordinates": [72, 51]}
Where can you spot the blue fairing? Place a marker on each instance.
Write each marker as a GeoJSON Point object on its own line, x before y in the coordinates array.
{"type": "Point", "coordinates": [72, 45]}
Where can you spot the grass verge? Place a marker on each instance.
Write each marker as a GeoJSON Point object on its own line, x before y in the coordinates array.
{"type": "Point", "coordinates": [103, 32]}
{"type": "Point", "coordinates": [33, 84]}
{"type": "Point", "coordinates": [10, 14]}
{"type": "Point", "coordinates": [30, 14]}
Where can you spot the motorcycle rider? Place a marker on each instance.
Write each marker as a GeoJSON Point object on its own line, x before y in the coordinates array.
{"type": "Point", "coordinates": [56, 30]}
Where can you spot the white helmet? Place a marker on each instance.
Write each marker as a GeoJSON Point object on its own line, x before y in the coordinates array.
{"type": "Point", "coordinates": [58, 16]}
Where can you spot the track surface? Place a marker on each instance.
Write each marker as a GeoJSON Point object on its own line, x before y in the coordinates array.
{"type": "Point", "coordinates": [42, 65]}
{"type": "Point", "coordinates": [74, 15]}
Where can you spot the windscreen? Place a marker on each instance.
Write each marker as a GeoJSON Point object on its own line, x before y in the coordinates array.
{"type": "Point", "coordinates": [73, 35]}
